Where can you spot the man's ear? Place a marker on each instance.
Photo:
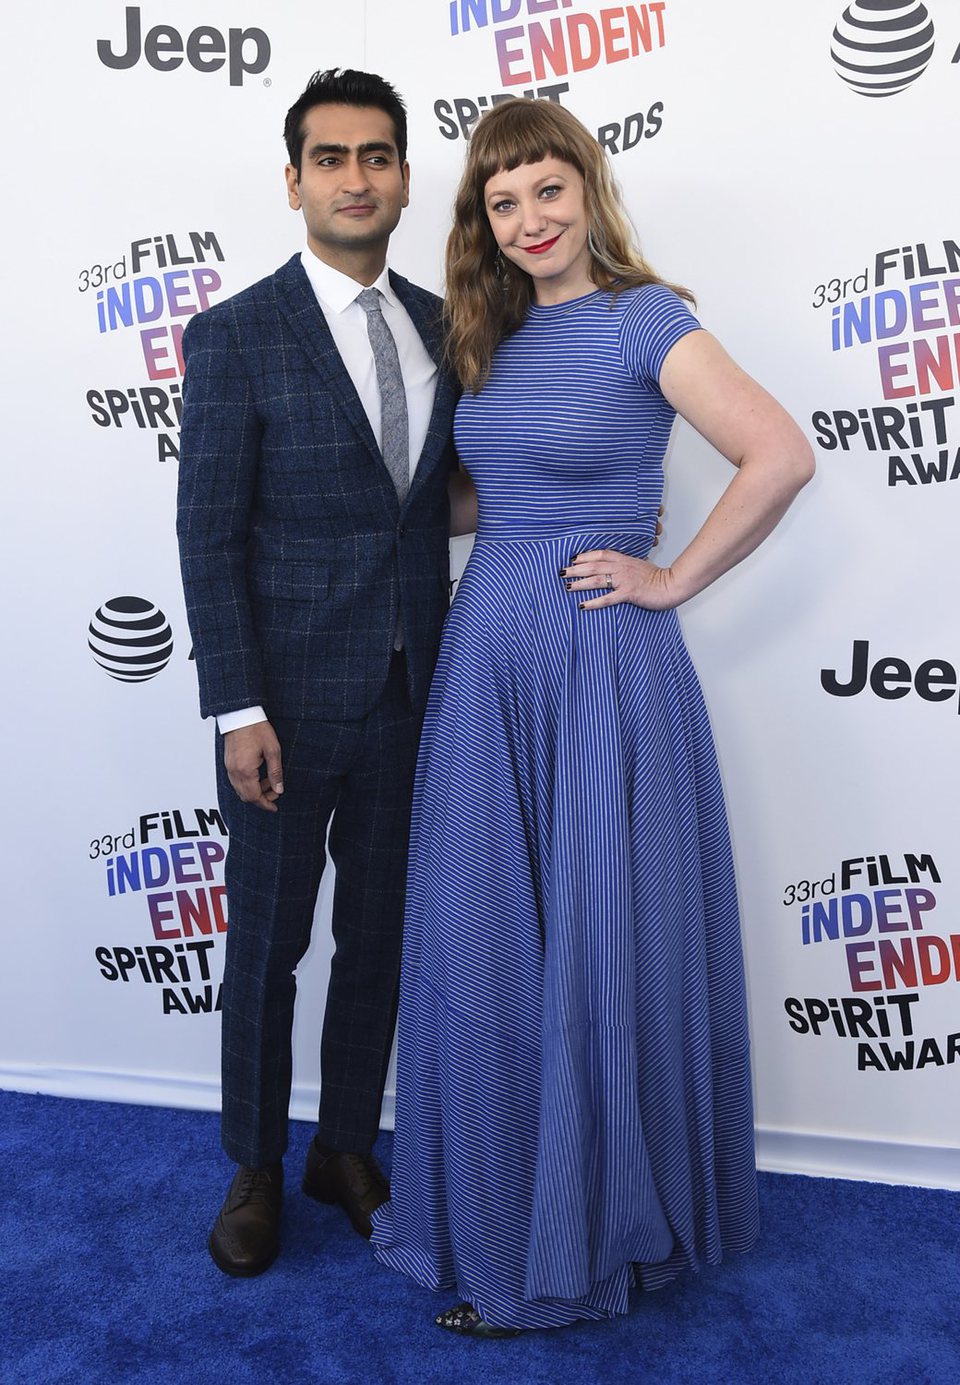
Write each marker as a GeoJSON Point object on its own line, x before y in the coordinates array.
{"type": "Point", "coordinates": [292, 178]}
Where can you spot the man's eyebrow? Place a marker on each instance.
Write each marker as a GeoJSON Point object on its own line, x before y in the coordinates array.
{"type": "Point", "coordinates": [372, 147]}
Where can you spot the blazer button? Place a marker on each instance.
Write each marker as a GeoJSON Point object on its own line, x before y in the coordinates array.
{"type": "Point", "coordinates": [402, 530]}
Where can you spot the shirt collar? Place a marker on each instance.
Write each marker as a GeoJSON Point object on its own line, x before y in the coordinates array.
{"type": "Point", "coordinates": [335, 290]}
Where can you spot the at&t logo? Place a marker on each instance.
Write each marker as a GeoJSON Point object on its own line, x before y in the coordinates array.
{"type": "Point", "coordinates": [130, 638]}
{"type": "Point", "coordinates": [880, 47]}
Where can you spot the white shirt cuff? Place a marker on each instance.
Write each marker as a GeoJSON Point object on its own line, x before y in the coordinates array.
{"type": "Point", "coordinates": [246, 716]}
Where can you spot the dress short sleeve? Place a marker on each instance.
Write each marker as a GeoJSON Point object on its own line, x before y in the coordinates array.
{"type": "Point", "coordinates": [654, 320]}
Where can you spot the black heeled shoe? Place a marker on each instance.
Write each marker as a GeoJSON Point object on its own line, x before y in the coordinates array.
{"type": "Point", "coordinates": [465, 1319]}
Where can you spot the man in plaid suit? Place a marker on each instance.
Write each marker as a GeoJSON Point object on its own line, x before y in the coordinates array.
{"type": "Point", "coordinates": [316, 582]}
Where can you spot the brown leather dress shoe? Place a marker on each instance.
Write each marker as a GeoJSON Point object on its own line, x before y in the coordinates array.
{"type": "Point", "coordinates": [246, 1235]}
{"type": "Point", "coordinates": [355, 1181]}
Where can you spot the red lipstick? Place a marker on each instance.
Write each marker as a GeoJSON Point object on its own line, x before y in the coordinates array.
{"type": "Point", "coordinates": [544, 245]}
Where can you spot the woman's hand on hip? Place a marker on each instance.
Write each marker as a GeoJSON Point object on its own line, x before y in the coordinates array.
{"type": "Point", "coordinates": [617, 577]}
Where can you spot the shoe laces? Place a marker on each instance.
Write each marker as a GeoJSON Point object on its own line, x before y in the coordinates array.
{"type": "Point", "coordinates": [255, 1185]}
{"type": "Point", "coordinates": [369, 1177]}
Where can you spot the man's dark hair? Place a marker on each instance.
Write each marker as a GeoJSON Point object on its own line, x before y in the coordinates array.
{"type": "Point", "coordinates": [344, 87]}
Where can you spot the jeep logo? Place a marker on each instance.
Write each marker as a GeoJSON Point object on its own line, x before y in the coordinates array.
{"type": "Point", "coordinates": [206, 50]}
{"type": "Point", "coordinates": [934, 680]}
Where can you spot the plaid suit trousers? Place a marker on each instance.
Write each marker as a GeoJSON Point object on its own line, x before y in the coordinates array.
{"type": "Point", "coordinates": [355, 777]}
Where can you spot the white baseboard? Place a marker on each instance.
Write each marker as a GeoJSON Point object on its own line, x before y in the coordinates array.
{"type": "Point", "coordinates": [807, 1152]}
{"type": "Point", "coordinates": [155, 1089]}
{"type": "Point", "coordinates": [132, 1088]}
{"type": "Point", "coordinates": [820, 1155]}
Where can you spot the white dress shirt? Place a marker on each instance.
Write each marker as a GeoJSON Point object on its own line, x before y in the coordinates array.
{"type": "Point", "coordinates": [337, 296]}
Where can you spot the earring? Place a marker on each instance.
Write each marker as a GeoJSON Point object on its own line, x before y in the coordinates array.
{"type": "Point", "coordinates": [498, 265]}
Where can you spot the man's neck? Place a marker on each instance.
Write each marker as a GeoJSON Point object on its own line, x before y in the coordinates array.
{"type": "Point", "coordinates": [363, 265]}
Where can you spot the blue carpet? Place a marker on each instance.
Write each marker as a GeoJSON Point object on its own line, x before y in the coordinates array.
{"type": "Point", "coordinates": [107, 1210]}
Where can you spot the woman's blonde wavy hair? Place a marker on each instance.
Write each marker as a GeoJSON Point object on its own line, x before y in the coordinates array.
{"type": "Point", "coordinates": [487, 297]}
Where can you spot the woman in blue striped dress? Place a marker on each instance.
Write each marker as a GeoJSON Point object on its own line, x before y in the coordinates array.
{"type": "Point", "coordinates": [574, 1109]}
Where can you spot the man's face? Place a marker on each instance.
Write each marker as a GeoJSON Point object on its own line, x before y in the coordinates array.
{"type": "Point", "coordinates": [352, 186]}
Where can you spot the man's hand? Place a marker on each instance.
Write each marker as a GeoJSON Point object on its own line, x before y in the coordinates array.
{"type": "Point", "coordinates": [244, 752]}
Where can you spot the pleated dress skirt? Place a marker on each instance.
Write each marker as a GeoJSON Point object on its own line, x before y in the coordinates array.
{"type": "Point", "coordinates": [574, 1107]}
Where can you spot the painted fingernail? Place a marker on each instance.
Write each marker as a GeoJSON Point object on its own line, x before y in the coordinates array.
{"type": "Point", "coordinates": [563, 572]}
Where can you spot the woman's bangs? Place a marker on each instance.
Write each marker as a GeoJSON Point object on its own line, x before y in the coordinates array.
{"type": "Point", "coordinates": [515, 137]}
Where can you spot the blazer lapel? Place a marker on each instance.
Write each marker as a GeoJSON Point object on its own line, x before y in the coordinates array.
{"type": "Point", "coordinates": [299, 306]}
{"type": "Point", "coordinates": [429, 324]}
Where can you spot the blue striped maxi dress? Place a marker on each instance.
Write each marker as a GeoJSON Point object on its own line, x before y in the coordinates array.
{"type": "Point", "coordinates": [574, 1105]}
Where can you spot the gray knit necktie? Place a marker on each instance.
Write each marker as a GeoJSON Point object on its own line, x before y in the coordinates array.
{"type": "Point", "coordinates": [395, 444]}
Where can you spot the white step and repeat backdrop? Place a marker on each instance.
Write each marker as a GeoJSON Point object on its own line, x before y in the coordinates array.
{"type": "Point", "coordinates": [794, 166]}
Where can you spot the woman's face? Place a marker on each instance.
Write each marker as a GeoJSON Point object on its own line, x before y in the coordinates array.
{"type": "Point", "coordinates": [539, 220]}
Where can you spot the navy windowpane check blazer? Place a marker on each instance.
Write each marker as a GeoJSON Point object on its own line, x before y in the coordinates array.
{"type": "Point", "coordinates": [297, 556]}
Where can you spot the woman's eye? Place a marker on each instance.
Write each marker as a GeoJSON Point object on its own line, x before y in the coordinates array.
{"type": "Point", "coordinates": [550, 191]}
{"type": "Point", "coordinates": [503, 206]}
